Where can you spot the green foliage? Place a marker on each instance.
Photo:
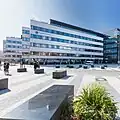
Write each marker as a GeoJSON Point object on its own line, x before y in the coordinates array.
{"type": "Point", "coordinates": [94, 103]}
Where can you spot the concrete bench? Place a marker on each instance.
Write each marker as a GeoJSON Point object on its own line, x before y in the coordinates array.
{"type": "Point", "coordinates": [3, 83]}
{"type": "Point", "coordinates": [39, 71]}
{"type": "Point", "coordinates": [85, 67]}
{"type": "Point", "coordinates": [47, 105]}
{"type": "Point", "coordinates": [59, 74]}
{"type": "Point", "coordinates": [57, 66]}
{"type": "Point", "coordinates": [105, 66]}
{"type": "Point", "coordinates": [80, 66]}
{"type": "Point", "coordinates": [22, 70]}
{"type": "Point", "coordinates": [92, 66]}
{"type": "Point", "coordinates": [102, 67]}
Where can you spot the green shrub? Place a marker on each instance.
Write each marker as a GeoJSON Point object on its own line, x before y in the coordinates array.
{"type": "Point", "coordinates": [94, 103]}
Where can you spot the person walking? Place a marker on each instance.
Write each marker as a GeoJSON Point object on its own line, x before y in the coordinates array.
{"type": "Point", "coordinates": [0, 65]}
{"type": "Point", "coordinates": [35, 65]}
{"type": "Point", "coordinates": [5, 68]}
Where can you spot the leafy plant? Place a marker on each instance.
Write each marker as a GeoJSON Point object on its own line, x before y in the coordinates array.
{"type": "Point", "coordinates": [94, 103]}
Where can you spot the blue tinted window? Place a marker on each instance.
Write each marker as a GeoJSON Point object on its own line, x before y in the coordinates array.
{"type": "Point", "coordinates": [62, 33]}
{"type": "Point", "coordinates": [14, 41]}
{"type": "Point", "coordinates": [9, 41]}
{"type": "Point", "coordinates": [9, 46]}
{"type": "Point", "coordinates": [62, 40]}
{"type": "Point", "coordinates": [25, 31]}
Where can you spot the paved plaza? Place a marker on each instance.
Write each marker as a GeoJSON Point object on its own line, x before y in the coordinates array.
{"type": "Point", "coordinates": [23, 86]}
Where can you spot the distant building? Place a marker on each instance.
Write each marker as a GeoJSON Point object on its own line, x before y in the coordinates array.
{"type": "Point", "coordinates": [112, 47]}
{"type": "Point", "coordinates": [25, 41]}
{"type": "Point", "coordinates": [12, 48]}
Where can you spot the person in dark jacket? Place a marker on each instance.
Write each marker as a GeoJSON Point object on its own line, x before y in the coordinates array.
{"type": "Point", "coordinates": [35, 65]}
{"type": "Point", "coordinates": [0, 65]}
{"type": "Point", "coordinates": [5, 68]}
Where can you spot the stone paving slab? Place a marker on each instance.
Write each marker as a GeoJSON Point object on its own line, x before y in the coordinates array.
{"type": "Point", "coordinates": [27, 84]}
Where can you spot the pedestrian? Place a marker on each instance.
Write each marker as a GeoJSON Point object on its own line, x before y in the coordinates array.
{"type": "Point", "coordinates": [0, 65]}
{"type": "Point", "coordinates": [35, 65]}
{"type": "Point", "coordinates": [5, 68]}
{"type": "Point", "coordinates": [38, 65]}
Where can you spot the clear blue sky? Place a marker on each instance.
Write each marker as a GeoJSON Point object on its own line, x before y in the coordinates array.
{"type": "Point", "coordinates": [99, 15]}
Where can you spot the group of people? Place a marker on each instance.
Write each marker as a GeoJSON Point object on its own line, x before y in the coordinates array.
{"type": "Point", "coordinates": [6, 68]}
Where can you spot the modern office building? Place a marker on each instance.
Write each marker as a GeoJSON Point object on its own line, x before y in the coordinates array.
{"type": "Point", "coordinates": [64, 42]}
{"type": "Point", "coordinates": [112, 46]}
{"type": "Point", "coordinates": [25, 41]}
{"type": "Point", "coordinates": [60, 42]}
{"type": "Point", "coordinates": [12, 48]}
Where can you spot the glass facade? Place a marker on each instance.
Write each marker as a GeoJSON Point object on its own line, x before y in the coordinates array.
{"type": "Point", "coordinates": [13, 41]}
{"type": "Point", "coordinates": [25, 39]}
{"type": "Point", "coordinates": [25, 32]}
{"type": "Point", "coordinates": [111, 50]}
{"type": "Point", "coordinates": [13, 46]}
{"type": "Point", "coordinates": [63, 40]}
{"type": "Point", "coordinates": [63, 33]}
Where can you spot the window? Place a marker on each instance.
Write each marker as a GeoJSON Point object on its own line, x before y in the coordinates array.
{"type": "Point", "coordinates": [9, 41]}
{"type": "Point", "coordinates": [25, 32]}
{"type": "Point", "coordinates": [36, 36]}
{"type": "Point", "coordinates": [9, 46]}
{"type": "Point", "coordinates": [14, 46]}
{"type": "Point", "coordinates": [14, 41]}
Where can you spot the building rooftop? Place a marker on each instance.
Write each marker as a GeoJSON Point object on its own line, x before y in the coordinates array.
{"type": "Point", "coordinates": [65, 25]}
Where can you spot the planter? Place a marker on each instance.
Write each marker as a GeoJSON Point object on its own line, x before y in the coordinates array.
{"type": "Point", "coordinates": [102, 67]}
{"type": "Point", "coordinates": [92, 66]}
{"type": "Point", "coordinates": [39, 71]}
{"type": "Point", "coordinates": [59, 74]}
{"type": "Point", "coordinates": [80, 66]}
{"type": "Point", "coordinates": [85, 67]}
{"type": "Point", "coordinates": [3, 83]}
{"type": "Point", "coordinates": [47, 105]}
{"type": "Point", "coordinates": [22, 70]}
{"type": "Point", "coordinates": [105, 65]}
{"type": "Point", "coordinates": [70, 66]}
{"type": "Point", "coordinates": [57, 66]}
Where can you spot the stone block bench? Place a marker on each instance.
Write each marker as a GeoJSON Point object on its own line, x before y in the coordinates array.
{"type": "Point", "coordinates": [3, 83]}
{"type": "Point", "coordinates": [39, 71]}
{"type": "Point", "coordinates": [57, 66]}
{"type": "Point", "coordinates": [80, 66]}
{"type": "Point", "coordinates": [85, 67]}
{"type": "Point", "coordinates": [22, 70]}
{"type": "Point", "coordinates": [102, 67]}
{"type": "Point", "coordinates": [58, 74]}
{"type": "Point", "coordinates": [92, 66]}
{"type": "Point", "coordinates": [70, 66]}
{"type": "Point", "coordinates": [47, 105]}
